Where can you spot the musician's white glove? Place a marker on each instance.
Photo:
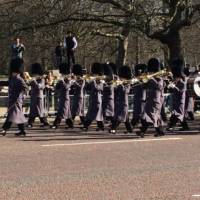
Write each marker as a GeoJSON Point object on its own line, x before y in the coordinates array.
{"type": "Point", "coordinates": [171, 85]}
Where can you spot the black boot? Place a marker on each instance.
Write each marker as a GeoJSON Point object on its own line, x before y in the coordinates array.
{"type": "Point", "coordinates": [185, 126]}
{"type": "Point", "coordinates": [159, 132]}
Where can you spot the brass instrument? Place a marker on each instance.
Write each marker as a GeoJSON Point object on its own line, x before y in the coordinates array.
{"type": "Point", "coordinates": [141, 79]}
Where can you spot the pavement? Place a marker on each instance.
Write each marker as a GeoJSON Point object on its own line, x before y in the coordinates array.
{"type": "Point", "coordinates": [75, 165]}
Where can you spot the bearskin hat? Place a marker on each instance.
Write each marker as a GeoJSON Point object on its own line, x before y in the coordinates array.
{"type": "Point", "coordinates": [125, 72]}
{"type": "Point", "coordinates": [114, 68]}
{"type": "Point", "coordinates": [97, 69]}
{"type": "Point", "coordinates": [64, 68]}
{"type": "Point", "coordinates": [140, 69]}
{"type": "Point", "coordinates": [77, 70]}
{"type": "Point", "coordinates": [16, 65]}
{"type": "Point", "coordinates": [187, 71]}
{"type": "Point", "coordinates": [153, 65]}
{"type": "Point", "coordinates": [177, 68]}
{"type": "Point", "coordinates": [36, 69]}
{"type": "Point", "coordinates": [108, 71]}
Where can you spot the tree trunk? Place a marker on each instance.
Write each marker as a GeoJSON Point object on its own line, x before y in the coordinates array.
{"type": "Point", "coordinates": [173, 42]}
{"type": "Point", "coordinates": [122, 52]}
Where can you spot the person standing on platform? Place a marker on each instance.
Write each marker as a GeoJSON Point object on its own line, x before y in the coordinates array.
{"type": "Point", "coordinates": [59, 53]}
{"type": "Point", "coordinates": [17, 90]}
{"type": "Point", "coordinates": [17, 49]}
{"type": "Point", "coordinates": [70, 44]}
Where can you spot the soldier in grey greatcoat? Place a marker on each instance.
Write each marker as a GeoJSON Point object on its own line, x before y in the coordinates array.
{"type": "Point", "coordinates": [139, 93]}
{"type": "Point", "coordinates": [178, 90]}
{"type": "Point", "coordinates": [37, 108]}
{"type": "Point", "coordinates": [122, 107]}
{"type": "Point", "coordinates": [79, 92]}
{"type": "Point", "coordinates": [63, 88]}
{"type": "Point", "coordinates": [189, 101]}
{"type": "Point", "coordinates": [108, 94]}
{"type": "Point", "coordinates": [17, 90]}
{"type": "Point", "coordinates": [95, 88]}
{"type": "Point", "coordinates": [154, 101]}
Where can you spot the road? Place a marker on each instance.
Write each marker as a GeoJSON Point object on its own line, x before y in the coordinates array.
{"type": "Point", "coordinates": [69, 165]}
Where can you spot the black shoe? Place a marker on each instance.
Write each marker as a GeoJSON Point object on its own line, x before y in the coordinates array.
{"type": "Point", "coordinates": [159, 132]}
{"type": "Point", "coordinates": [3, 132]}
{"type": "Point", "coordinates": [21, 133]}
{"type": "Point", "coordinates": [184, 129]}
{"type": "Point", "coordinates": [99, 129]}
{"type": "Point", "coordinates": [44, 125]}
{"type": "Point", "coordinates": [140, 133]}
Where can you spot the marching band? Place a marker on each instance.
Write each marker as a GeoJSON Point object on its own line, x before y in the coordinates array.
{"type": "Point", "coordinates": [108, 87]}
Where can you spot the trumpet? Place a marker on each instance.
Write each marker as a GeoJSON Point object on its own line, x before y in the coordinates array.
{"type": "Point", "coordinates": [142, 79]}
{"type": "Point", "coordinates": [161, 73]}
{"type": "Point", "coordinates": [88, 77]}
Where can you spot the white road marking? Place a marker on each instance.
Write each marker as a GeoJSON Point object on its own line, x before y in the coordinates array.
{"type": "Point", "coordinates": [111, 142]}
{"type": "Point", "coordinates": [196, 195]}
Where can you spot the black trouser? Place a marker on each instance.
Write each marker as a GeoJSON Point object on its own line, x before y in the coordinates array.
{"type": "Point", "coordinates": [58, 120]}
{"type": "Point", "coordinates": [43, 120]}
{"type": "Point", "coordinates": [135, 121]}
{"type": "Point", "coordinates": [116, 123]}
{"type": "Point", "coordinates": [174, 120]}
{"type": "Point", "coordinates": [70, 56]}
{"type": "Point", "coordinates": [100, 124]}
{"type": "Point", "coordinates": [145, 126]}
{"type": "Point", "coordinates": [190, 115]}
{"type": "Point", "coordinates": [8, 124]}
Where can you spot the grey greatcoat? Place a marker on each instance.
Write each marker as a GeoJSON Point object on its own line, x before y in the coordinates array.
{"type": "Point", "coordinates": [154, 102]}
{"type": "Point", "coordinates": [95, 102]}
{"type": "Point", "coordinates": [37, 98]}
{"type": "Point", "coordinates": [17, 90]}
{"type": "Point", "coordinates": [108, 101]}
{"type": "Point", "coordinates": [121, 111]}
{"type": "Point", "coordinates": [62, 89]}
{"type": "Point", "coordinates": [139, 100]}
{"type": "Point", "coordinates": [189, 104]}
{"type": "Point", "coordinates": [78, 99]}
{"type": "Point", "coordinates": [178, 98]}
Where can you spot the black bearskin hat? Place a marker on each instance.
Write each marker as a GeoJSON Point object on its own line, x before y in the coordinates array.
{"type": "Point", "coordinates": [16, 65]}
{"type": "Point", "coordinates": [64, 68]}
{"type": "Point", "coordinates": [153, 65]}
{"type": "Point", "coordinates": [177, 68]}
{"type": "Point", "coordinates": [97, 69]}
{"type": "Point", "coordinates": [140, 69]}
{"type": "Point", "coordinates": [187, 71]}
{"type": "Point", "coordinates": [36, 69]}
{"type": "Point", "coordinates": [114, 68]}
{"type": "Point", "coordinates": [108, 71]}
{"type": "Point", "coordinates": [125, 72]}
{"type": "Point", "coordinates": [77, 70]}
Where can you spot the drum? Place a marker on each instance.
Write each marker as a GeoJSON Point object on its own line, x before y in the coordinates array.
{"type": "Point", "coordinates": [193, 86]}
